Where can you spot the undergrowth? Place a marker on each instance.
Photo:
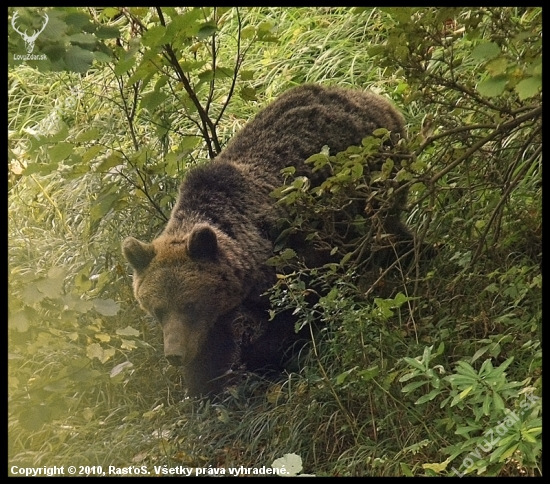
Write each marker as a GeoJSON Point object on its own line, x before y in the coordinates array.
{"type": "Point", "coordinates": [429, 367]}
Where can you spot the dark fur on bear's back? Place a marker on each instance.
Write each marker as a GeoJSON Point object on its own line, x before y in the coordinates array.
{"type": "Point", "coordinates": [207, 269]}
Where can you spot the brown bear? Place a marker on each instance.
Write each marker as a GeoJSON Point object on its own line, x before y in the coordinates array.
{"type": "Point", "coordinates": [205, 276]}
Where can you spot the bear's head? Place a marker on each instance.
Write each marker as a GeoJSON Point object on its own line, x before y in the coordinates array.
{"type": "Point", "coordinates": [190, 283]}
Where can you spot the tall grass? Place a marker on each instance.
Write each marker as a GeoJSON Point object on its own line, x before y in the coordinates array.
{"type": "Point", "coordinates": [88, 384]}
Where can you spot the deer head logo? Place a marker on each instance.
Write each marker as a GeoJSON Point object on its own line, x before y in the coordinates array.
{"type": "Point", "coordinates": [29, 39]}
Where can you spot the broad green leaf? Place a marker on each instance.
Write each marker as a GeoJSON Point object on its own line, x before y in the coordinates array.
{"type": "Point", "coordinates": [77, 20]}
{"type": "Point", "coordinates": [493, 86]}
{"type": "Point", "coordinates": [185, 25]}
{"type": "Point", "coordinates": [152, 100]}
{"type": "Point", "coordinates": [107, 32]}
{"type": "Point", "coordinates": [529, 87]}
{"type": "Point", "coordinates": [127, 344]}
{"type": "Point", "coordinates": [83, 38]}
{"type": "Point", "coordinates": [90, 134]}
{"type": "Point", "coordinates": [248, 32]}
{"type": "Point", "coordinates": [497, 66]}
{"type": "Point", "coordinates": [288, 254]}
{"type": "Point", "coordinates": [106, 307]}
{"type": "Point", "coordinates": [246, 74]}
{"type": "Point", "coordinates": [91, 153]}
{"type": "Point", "coordinates": [104, 205]}
{"type": "Point", "coordinates": [60, 151]}
{"type": "Point", "coordinates": [124, 65]}
{"type": "Point", "coordinates": [94, 351]}
{"type": "Point", "coordinates": [248, 94]}
{"type": "Point", "coordinates": [19, 322]}
{"type": "Point", "coordinates": [206, 31]}
{"type": "Point", "coordinates": [127, 331]}
{"type": "Point", "coordinates": [406, 470]}
{"type": "Point", "coordinates": [153, 36]}
{"type": "Point", "coordinates": [114, 159]}
{"type": "Point", "coordinates": [485, 51]}
{"type": "Point", "coordinates": [31, 294]}
{"type": "Point", "coordinates": [188, 143]}
{"type": "Point", "coordinates": [437, 467]}
{"type": "Point", "coordinates": [78, 60]}
{"type": "Point", "coordinates": [50, 287]}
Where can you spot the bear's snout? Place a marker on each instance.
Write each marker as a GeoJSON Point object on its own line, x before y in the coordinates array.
{"type": "Point", "coordinates": [175, 360]}
{"type": "Point", "coordinates": [181, 344]}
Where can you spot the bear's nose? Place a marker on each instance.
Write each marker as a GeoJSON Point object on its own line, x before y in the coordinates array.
{"type": "Point", "coordinates": [175, 360]}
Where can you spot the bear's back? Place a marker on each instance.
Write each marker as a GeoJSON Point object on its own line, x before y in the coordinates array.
{"type": "Point", "coordinates": [303, 120]}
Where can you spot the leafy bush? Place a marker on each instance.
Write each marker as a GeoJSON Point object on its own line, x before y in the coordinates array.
{"type": "Point", "coordinates": [129, 98]}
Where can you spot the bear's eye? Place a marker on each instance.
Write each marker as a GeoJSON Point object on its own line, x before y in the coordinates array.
{"type": "Point", "coordinates": [190, 310]}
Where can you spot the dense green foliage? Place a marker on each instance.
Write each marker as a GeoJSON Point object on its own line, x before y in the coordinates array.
{"type": "Point", "coordinates": [431, 367]}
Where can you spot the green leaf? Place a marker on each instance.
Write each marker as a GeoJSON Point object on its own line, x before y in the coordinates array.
{"type": "Point", "coordinates": [127, 344]}
{"type": "Point", "coordinates": [430, 396]}
{"type": "Point", "coordinates": [246, 74]}
{"type": "Point", "coordinates": [96, 351]}
{"type": "Point", "coordinates": [90, 134]}
{"type": "Point", "coordinates": [19, 322]}
{"type": "Point", "coordinates": [248, 94]}
{"type": "Point", "coordinates": [466, 369]}
{"type": "Point", "coordinates": [83, 38]}
{"type": "Point", "coordinates": [153, 36]}
{"type": "Point", "coordinates": [114, 159]}
{"type": "Point", "coordinates": [91, 153]}
{"type": "Point", "coordinates": [152, 100]}
{"type": "Point", "coordinates": [497, 66]}
{"type": "Point", "coordinates": [124, 65]}
{"type": "Point", "coordinates": [248, 32]}
{"type": "Point", "coordinates": [60, 151]}
{"type": "Point", "coordinates": [343, 376]}
{"type": "Point", "coordinates": [207, 30]}
{"type": "Point", "coordinates": [405, 470]}
{"type": "Point", "coordinates": [529, 87]}
{"type": "Point", "coordinates": [413, 386]}
{"type": "Point", "coordinates": [189, 143]}
{"type": "Point", "coordinates": [52, 285]}
{"type": "Point", "coordinates": [78, 60]}
{"type": "Point", "coordinates": [414, 363]}
{"type": "Point", "coordinates": [31, 294]}
{"type": "Point", "coordinates": [368, 373]}
{"type": "Point", "coordinates": [104, 205]}
{"type": "Point", "coordinates": [288, 254]}
{"type": "Point", "coordinates": [127, 331]}
{"type": "Point", "coordinates": [493, 86]}
{"type": "Point", "coordinates": [107, 32]}
{"type": "Point", "coordinates": [485, 51]}
{"type": "Point", "coordinates": [106, 307]}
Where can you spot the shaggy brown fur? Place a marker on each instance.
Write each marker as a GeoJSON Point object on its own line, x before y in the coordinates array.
{"type": "Point", "coordinates": [207, 269]}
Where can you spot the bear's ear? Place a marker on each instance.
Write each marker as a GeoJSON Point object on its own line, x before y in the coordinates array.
{"type": "Point", "coordinates": [202, 243]}
{"type": "Point", "coordinates": [137, 253]}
